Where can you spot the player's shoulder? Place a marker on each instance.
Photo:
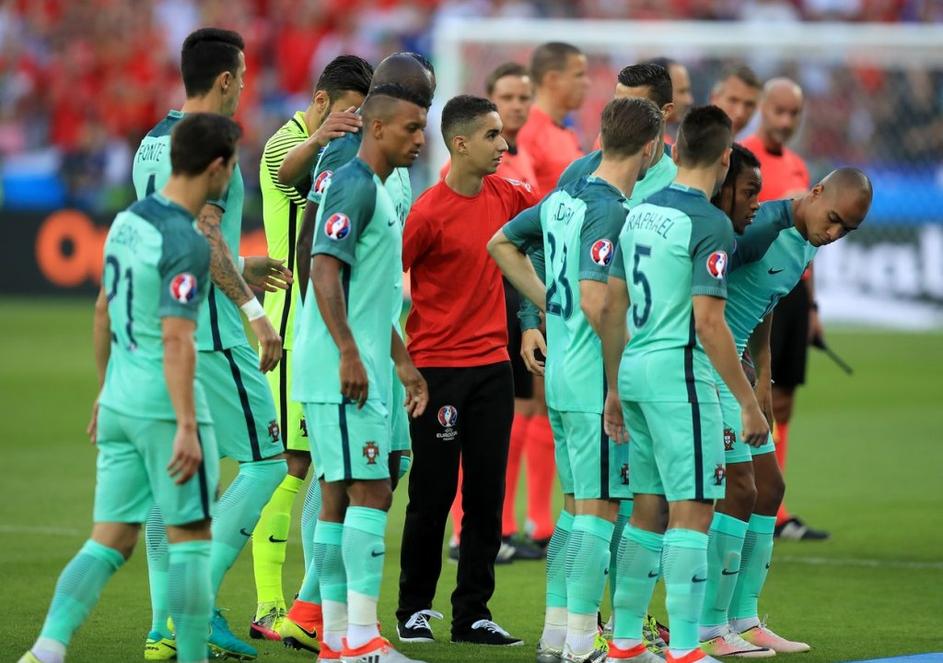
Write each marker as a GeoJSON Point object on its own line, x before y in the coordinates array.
{"type": "Point", "coordinates": [340, 151]}
{"type": "Point", "coordinates": [774, 213]}
{"type": "Point", "coordinates": [288, 135]}
{"type": "Point", "coordinates": [508, 186]}
{"type": "Point", "coordinates": [428, 199]}
{"type": "Point", "coordinates": [354, 173]}
{"type": "Point", "coordinates": [166, 125]}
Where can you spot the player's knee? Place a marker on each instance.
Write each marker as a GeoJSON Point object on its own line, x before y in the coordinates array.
{"type": "Point", "coordinates": [265, 473]}
{"type": "Point", "coordinates": [299, 462]}
{"type": "Point", "coordinates": [122, 537]}
{"type": "Point", "coordinates": [770, 492]}
{"type": "Point", "coordinates": [741, 490]}
{"type": "Point", "coordinates": [371, 494]}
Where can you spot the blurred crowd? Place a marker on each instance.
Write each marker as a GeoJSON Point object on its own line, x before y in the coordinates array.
{"type": "Point", "coordinates": [82, 80]}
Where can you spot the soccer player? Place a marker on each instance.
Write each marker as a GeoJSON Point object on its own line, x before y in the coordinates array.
{"type": "Point", "coordinates": [675, 248]}
{"type": "Point", "coordinates": [458, 339]}
{"type": "Point", "coordinates": [737, 93]}
{"type": "Point", "coordinates": [785, 175]}
{"type": "Point", "coordinates": [151, 422]}
{"type": "Point", "coordinates": [680, 86]}
{"type": "Point", "coordinates": [342, 356]}
{"type": "Point", "coordinates": [342, 85]}
{"type": "Point", "coordinates": [779, 245]}
{"type": "Point", "coordinates": [573, 233]}
{"type": "Point", "coordinates": [213, 68]}
{"type": "Point", "coordinates": [413, 73]}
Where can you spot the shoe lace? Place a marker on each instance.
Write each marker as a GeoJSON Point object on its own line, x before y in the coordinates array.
{"type": "Point", "coordinates": [421, 619]}
{"type": "Point", "coordinates": [489, 625]}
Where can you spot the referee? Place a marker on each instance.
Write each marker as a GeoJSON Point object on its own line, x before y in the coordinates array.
{"type": "Point", "coordinates": [457, 331]}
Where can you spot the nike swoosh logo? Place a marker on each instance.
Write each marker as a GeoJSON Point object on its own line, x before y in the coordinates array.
{"type": "Point", "coordinates": [775, 271]}
{"type": "Point", "coordinates": [374, 553]}
{"type": "Point", "coordinates": [696, 579]}
{"type": "Point", "coordinates": [272, 539]}
{"type": "Point", "coordinates": [245, 533]}
{"type": "Point", "coordinates": [725, 572]}
{"type": "Point", "coordinates": [313, 633]}
{"type": "Point", "coordinates": [653, 574]}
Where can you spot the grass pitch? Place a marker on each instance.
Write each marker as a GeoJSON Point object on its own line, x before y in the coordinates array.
{"type": "Point", "coordinates": [866, 462]}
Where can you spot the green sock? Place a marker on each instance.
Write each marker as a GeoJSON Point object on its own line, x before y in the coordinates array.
{"type": "Point", "coordinates": [155, 542]}
{"type": "Point", "coordinates": [685, 563]}
{"type": "Point", "coordinates": [556, 561]}
{"type": "Point", "coordinates": [328, 562]}
{"type": "Point", "coordinates": [309, 519]}
{"type": "Point", "coordinates": [622, 519]}
{"type": "Point", "coordinates": [77, 591]}
{"type": "Point", "coordinates": [725, 543]}
{"type": "Point", "coordinates": [587, 560]}
{"type": "Point", "coordinates": [238, 512]}
{"type": "Point", "coordinates": [754, 565]}
{"type": "Point", "coordinates": [190, 597]}
{"type": "Point", "coordinates": [270, 539]}
{"type": "Point", "coordinates": [639, 561]}
{"type": "Point", "coordinates": [363, 550]}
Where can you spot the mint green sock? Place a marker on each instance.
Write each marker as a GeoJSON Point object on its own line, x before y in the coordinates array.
{"type": "Point", "coordinates": [639, 561]}
{"type": "Point", "coordinates": [724, 546]}
{"type": "Point", "coordinates": [556, 561]}
{"type": "Point", "coordinates": [364, 550]}
{"type": "Point", "coordinates": [328, 562]}
{"type": "Point", "coordinates": [77, 591]}
{"type": "Point", "coordinates": [587, 560]}
{"type": "Point", "coordinates": [685, 570]}
{"type": "Point", "coordinates": [622, 519]}
{"type": "Point", "coordinates": [309, 520]}
{"type": "Point", "coordinates": [238, 512]}
{"type": "Point", "coordinates": [158, 560]}
{"type": "Point", "coordinates": [190, 597]}
{"type": "Point", "coordinates": [754, 566]}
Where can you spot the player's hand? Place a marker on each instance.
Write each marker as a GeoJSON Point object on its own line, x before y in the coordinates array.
{"type": "Point", "coordinates": [266, 273]}
{"type": "Point", "coordinates": [270, 343]}
{"type": "Point", "coordinates": [755, 429]}
{"type": "Point", "coordinates": [187, 454]}
{"type": "Point", "coordinates": [531, 342]}
{"type": "Point", "coordinates": [354, 383]}
{"type": "Point", "coordinates": [816, 330]}
{"type": "Point", "coordinates": [764, 396]}
{"type": "Point", "coordinates": [417, 391]}
{"type": "Point", "coordinates": [613, 420]}
{"type": "Point", "coordinates": [92, 428]}
{"type": "Point", "coordinates": [337, 124]}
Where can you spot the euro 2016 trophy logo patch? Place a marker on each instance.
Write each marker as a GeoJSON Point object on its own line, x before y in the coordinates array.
{"type": "Point", "coordinates": [448, 417]}
{"type": "Point", "coordinates": [601, 252]}
{"type": "Point", "coordinates": [371, 452]}
{"type": "Point", "coordinates": [337, 226]}
{"type": "Point", "coordinates": [717, 264]}
{"type": "Point", "coordinates": [183, 287]}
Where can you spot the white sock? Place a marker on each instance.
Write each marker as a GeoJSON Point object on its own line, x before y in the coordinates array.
{"type": "Point", "coordinates": [362, 619]}
{"type": "Point", "coordinates": [680, 653]}
{"type": "Point", "coordinates": [335, 623]}
{"type": "Point", "coordinates": [48, 650]}
{"type": "Point", "coordinates": [580, 633]}
{"type": "Point", "coordinates": [626, 644]}
{"type": "Point", "coordinates": [745, 624]}
{"type": "Point", "coordinates": [554, 634]}
{"type": "Point", "coordinates": [706, 633]}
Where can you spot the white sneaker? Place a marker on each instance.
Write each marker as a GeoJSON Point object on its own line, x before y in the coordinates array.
{"type": "Point", "coordinates": [378, 650]}
{"type": "Point", "coordinates": [730, 643]}
{"type": "Point", "coordinates": [764, 637]}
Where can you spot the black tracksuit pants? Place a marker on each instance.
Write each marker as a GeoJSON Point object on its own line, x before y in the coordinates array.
{"type": "Point", "coordinates": [469, 417]}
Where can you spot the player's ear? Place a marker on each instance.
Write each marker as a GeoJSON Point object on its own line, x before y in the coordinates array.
{"type": "Point", "coordinates": [458, 144]}
{"type": "Point", "coordinates": [225, 80]}
{"type": "Point", "coordinates": [667, 110]}
{"type": "Point", "coordinates": [725, 158]}
{"type": "Point", "coordinates": [321, 101]}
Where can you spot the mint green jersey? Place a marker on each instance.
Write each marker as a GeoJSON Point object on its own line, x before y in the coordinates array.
{"type": "Point", "coordinates": [674, 246]}
{"type": "Point", "coordinates": [356, 223]}
{"type": "Point", "coordinates": [656, 178]}
{"type": "Point", "coordinates": [220, 324]}
{"type": "Point", "coordinates": [156, 266]}
{"type": "Point", "coordinates": [768, 262]}
{"type": "Point", "coordinates": [339, 152]}
{"type": "Point", "coordinates": [575, 230]}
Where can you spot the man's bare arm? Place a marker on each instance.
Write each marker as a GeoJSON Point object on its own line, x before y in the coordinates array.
{"type": "Point", "coordinates": [303, 246]}
{"type": "Point", "coordinates": [223, 268]}
{"type": "Point", "coordinates": [101, 335]}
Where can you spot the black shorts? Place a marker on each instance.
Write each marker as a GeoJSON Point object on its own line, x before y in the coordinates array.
{"type": "Point", "coordinates": [523, 380]}
{"type": "Point", "coordinates": [789, 342]}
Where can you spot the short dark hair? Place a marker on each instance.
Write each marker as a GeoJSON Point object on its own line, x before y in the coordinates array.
{"type": "Point", "coordinates": [741, 71]}
{"type": "Point", "coordinates": [379, 103]}
{"type": "Point", "coordinates": [406, 71]}
{"type": "Point", "coordinates": [206, 53]}
{"type": "Point", "coordinates": [741, 158]}
{"type": "Point", "coordinates": [345, 73]}
{"type": "Point", "coordinates": [627, 124]}
{"type": "Point", "coordinates": [199, 139]}
{"type": "Point", "coordinates": [653, 76]}
{"type": "Point", "coordinates": [461, 111]}
{"type": "Point", "coordinates": [550, 56]}
{"type": "Point", "coordinates": [502, 70]}
{"type": "Point", "coordinates": [705, 133]}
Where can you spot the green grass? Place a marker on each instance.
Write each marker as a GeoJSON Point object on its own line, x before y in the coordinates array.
{"type": "Point", "coordinates": [866, 462]}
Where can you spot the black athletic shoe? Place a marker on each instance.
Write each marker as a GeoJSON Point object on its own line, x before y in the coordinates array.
{"type": "Point", "coordinates": [525, 549]}
{"type": "Point", "coordinates": [486, 632]}
{"type": "Point", "coordinates": [416, 628]}
{"type": "Point", "coordinates": [796, 530]}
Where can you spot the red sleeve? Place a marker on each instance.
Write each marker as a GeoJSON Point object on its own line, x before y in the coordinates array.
{"type": "Point", "coordinates": [518, 196]}
{"type": "Point", "coordinates": [418, 235]}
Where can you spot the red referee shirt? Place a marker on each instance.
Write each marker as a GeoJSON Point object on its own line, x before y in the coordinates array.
{"type": "Point", "coordinates": [551, 147]}
{"type": "Point", "coordinates": [458, 316]}
{"type": "Point", "coordinates": [784, 175]}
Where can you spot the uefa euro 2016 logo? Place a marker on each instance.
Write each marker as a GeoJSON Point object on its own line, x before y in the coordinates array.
{"type": "Point", "coordinates": [601, 253]}
{"type": "Point", "coordinates": [183, 287]}
{"type": "Point", "coordinates": [337, 226]}
{"type": "Point", "coordinates": [448, 416]}
{"type": "Point", "coordinates": [717, 264]}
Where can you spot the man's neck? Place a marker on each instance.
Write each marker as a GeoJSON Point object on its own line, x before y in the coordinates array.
{"type": "Point", "coordinates": [371, 155]}
{"type": "Point", "coordinates": [621, 174]}
{"type": "Point", "coordinates": [798, 216]}
{"type": "Point", "coordinates": [311, 119]}
{"type": "Point", "coordinates": [186, 192]}
{"type": "Point", "coordinates": [769, 144]}
{"type": "Point", "coordinates": [462, 181]}
{"type": "Point", "coordinates": [550, 107]}
{"type": "Point", "coordinates": [702, 179]}
{"type": "Point", "coordinates": [209, 103]}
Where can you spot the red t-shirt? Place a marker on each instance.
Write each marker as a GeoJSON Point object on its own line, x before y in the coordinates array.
{"type": "Point", "coordinates": [516, 165]}
{"type": "Point", "coordinates": [551, 148]}
{"type": "Point", "coordinates": [458, 316]}
{"type": "Point", "coordinates": [784, 175]}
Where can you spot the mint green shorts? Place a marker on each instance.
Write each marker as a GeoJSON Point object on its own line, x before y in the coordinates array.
{"type": "Point", "coordinates": [399, 419]}
{"type": "Point", "coordinates": [291, 419]}
{"type": "Point", "coordinates": [352, 444]}
{"type": "Point", "coordinates": [241, 404]}
{"type": "Point", "coordinates": [133, 454]}
{"type": "Point", "coordinates": [735, 449]}
{"type": "Point", "coordinates": [589, 464]}
{"type": "Point", "coordinates": [676, 449]}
